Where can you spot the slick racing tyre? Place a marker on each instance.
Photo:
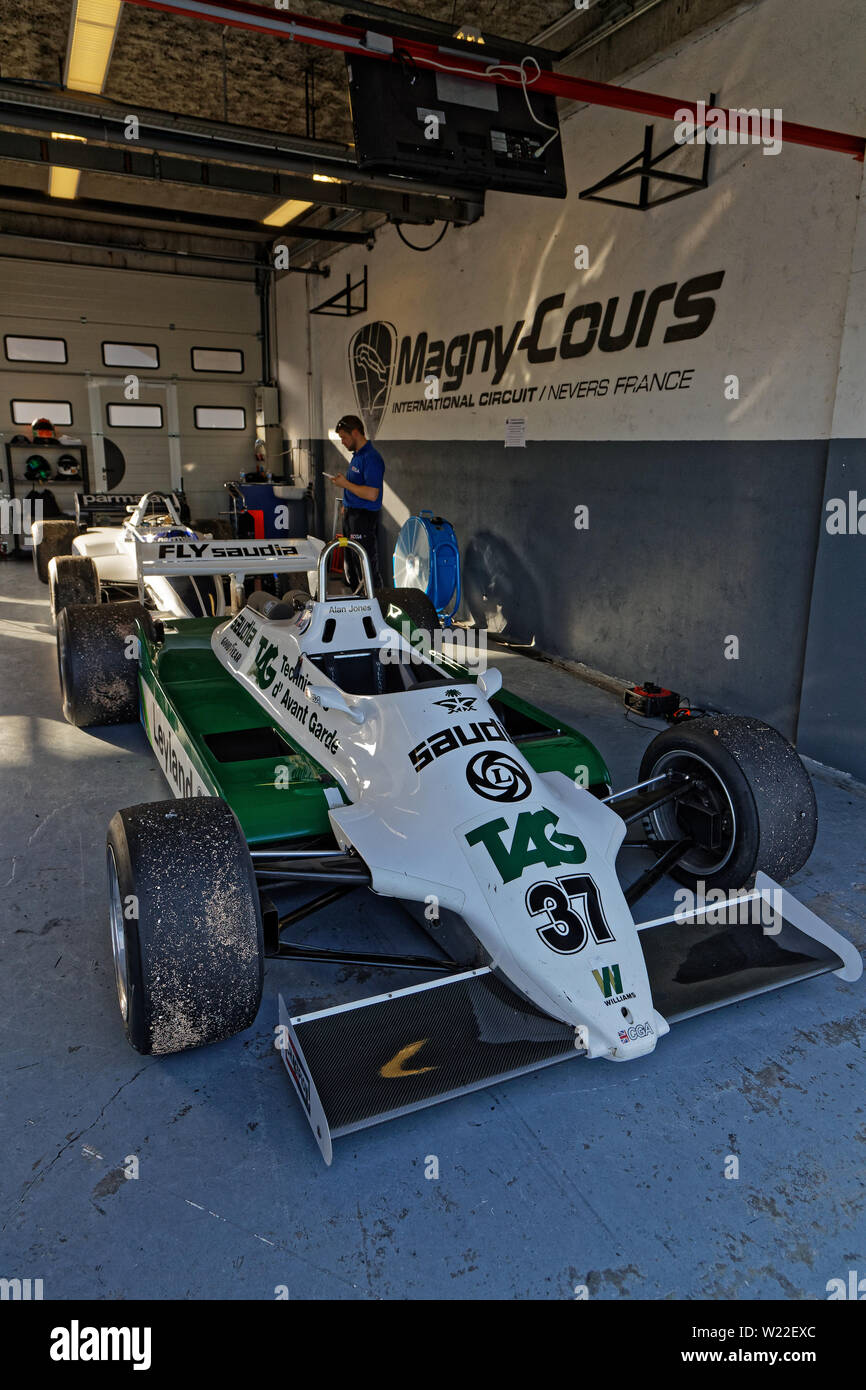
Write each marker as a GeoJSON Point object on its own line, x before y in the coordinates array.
{"type": "Point", "coordinates": [51, 538]}
{"type": "Point", "coordinates": [97, 658]}
{"type": "Point", "coordinates": [749, 805]}
{"type": "Point", "coordinates": [294, 583]}
{"type": "Point", "coordinates": [293, 601]}
{"type": "Point", "coordinates": [71, 579]}
{"type": "Point", "coordinates": [397, 604]}
{"type": "Point", "coordinates": [186, 925]}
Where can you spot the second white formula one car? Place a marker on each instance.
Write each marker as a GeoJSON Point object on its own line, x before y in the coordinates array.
{"type": "Point", "coordinates": [101, 563]}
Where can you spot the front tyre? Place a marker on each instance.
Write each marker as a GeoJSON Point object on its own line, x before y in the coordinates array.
{"type": "Point", "coordinates": [749, 806]}
{"type": "Point", "coordinates": [186, 926]}
{"type": "Point", "coordinates": [97, 659]}
{"type": "Point", "coordinates": [71, 579]}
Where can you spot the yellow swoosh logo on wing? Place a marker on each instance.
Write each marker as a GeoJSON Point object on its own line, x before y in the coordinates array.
{"type": "Point", "coordinates": [396, 1068]}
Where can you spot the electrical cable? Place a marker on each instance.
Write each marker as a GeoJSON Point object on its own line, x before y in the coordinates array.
{"type": "Point", "coordinates": [502, 70]}
{"type": "Point", "coordinates": [412, 245]}
{"type": "Point", "coordinates": [506, 70]}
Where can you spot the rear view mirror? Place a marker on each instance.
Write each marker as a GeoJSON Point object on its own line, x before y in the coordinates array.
{"type": "Point", "coordinates": [330, 698]}
{"type": "Point", "coordinates": [490, 682]}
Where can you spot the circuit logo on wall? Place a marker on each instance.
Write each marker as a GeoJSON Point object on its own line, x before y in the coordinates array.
{"type": "Point", "coordinates": [372, 354]}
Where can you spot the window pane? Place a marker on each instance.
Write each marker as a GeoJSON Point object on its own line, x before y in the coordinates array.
{"type": "Point", "coordinates": [137, 417]}
{"type": "Point", "coordinates": [212, 417]}
{"type": "Point", "coordinates": [35, 349]}
{"type": "Point", "coordinates": [130, 355]}
{"type": "Point", "coordinates": [217, 360]}
{"type": "Point", "coordinates": [58, 412]}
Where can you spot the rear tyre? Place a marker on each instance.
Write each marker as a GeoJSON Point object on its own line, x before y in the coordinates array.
{"type": "Point", "coordinates": [71, 579]}
{"type": "Point", "coordinates": [410, 603]}
{"type": "Point", "coordinates": [288, 584]}
{"type": "Point", "coordinates": [186, 926]}
{"type": "Point", "coordinates": [97, 658]}
{"type": "Point", "coordinates": [750, 804]}
{"type": "Point", "coordinates": [51, 538]}
{"type": "Point", "coordinates": [295, 599]}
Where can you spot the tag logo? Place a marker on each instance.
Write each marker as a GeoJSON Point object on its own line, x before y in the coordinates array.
{"type": "Point", "coordinates": [535, 841]}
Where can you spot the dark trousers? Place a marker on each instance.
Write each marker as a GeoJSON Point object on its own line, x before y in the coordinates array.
{"type": "Point", "coordinates": [362, 525]}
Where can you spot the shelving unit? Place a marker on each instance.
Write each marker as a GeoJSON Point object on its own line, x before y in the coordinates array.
{"type": "Point", "coordinates": [64, 489]}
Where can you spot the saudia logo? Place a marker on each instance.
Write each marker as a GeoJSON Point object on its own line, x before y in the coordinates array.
{"type": "Point", "coordinates": [186, 550]}
{"type": "Point", "coordinates": [670, 313]}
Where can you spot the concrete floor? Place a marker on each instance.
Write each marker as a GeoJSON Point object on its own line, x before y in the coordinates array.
{"type": "Point", "coordinates": [608, 1177]}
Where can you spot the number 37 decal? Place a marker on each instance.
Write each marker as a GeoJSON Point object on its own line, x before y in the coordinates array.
{"type": "Point", "coordinates": [572, 908]}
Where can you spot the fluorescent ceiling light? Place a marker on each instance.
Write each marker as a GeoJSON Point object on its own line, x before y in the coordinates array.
{"type": "Point", "coordinates": [469, 33]}
{"type": "Point", "coordinates": [63, 183]}
{"type": "Point", "coordinates": [286, 212]}
{"type": "Point", "coordinates": [92, 33]}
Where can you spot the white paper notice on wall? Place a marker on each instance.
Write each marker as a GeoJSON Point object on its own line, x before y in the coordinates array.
{"type": "Point", "coordinates": [515, 434]}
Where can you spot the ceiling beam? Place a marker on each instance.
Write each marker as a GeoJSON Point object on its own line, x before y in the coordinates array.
{"type": "Point", "coordinates": [160, 132]}
{"type": "Point", "coordinates": [157, 169]}
{"type": "Point", "coordinates": [177, 217]}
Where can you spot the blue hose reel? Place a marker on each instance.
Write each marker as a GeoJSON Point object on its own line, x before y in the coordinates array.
{"type": "Point", "coordinates": [427, 557]}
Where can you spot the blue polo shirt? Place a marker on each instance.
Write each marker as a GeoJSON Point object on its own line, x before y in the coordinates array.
{"type": "Point", "coordinates": [368, 469]}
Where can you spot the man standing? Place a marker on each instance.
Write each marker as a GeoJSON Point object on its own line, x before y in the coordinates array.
{"type": "Point", "coordinates": [362, 485]}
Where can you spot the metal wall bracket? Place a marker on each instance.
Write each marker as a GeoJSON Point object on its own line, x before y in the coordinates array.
{"type": "Point", "coordinates": [341, 304]}
{"type": "Point", "coordinates": [645, 166]}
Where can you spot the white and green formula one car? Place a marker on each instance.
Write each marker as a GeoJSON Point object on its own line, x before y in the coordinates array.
{"type": "Point", "coordinates": [306, 743]}
{"type": "Point", "coordinates": [100, 563]}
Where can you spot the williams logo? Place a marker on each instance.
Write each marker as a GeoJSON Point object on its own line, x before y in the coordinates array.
{"type": "Point", "coordinates": [372, 353]}
{"type": "Point", "coordinates": [609, 982]}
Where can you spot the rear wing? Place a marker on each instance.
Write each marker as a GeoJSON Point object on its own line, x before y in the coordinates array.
{"type": "Point", "coordinates": [92, 507]}
{"type": "Point", "coordinates": [232, 557]}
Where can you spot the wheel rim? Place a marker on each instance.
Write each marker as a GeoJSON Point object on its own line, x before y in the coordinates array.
{"type": "Point", "coordinates": [118, 937]}
{"type": "Point", "coordinates": [707, 790]}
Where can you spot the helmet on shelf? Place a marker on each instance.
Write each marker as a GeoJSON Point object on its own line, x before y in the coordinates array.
{"type": "Point", "coordinates": [36, 469]}
{"type": "Point", "coordinates": [43, 430]}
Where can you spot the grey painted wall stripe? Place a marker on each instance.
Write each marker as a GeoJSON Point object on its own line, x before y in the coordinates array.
{"type": "Point", "coordinates": [688, 545]}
